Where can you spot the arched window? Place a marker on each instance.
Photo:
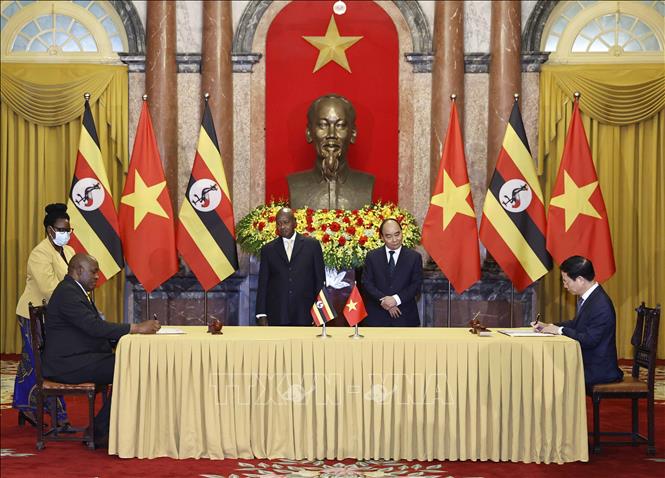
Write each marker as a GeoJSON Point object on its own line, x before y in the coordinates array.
{"type": "Point", "coordinates": [60, 31]}
{"type": "Point", "coordinates": [602, 32]}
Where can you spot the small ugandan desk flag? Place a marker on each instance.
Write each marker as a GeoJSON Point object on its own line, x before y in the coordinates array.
{"type": "Point", "coordinates": [322, 310]}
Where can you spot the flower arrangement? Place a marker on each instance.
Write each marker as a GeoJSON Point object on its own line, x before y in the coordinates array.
{"type": "Point", "coordinates": [345, 236]}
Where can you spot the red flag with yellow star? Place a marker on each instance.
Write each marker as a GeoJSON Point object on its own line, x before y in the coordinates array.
{"type": "Point", "coordinates": [450, 233]}
{"type": "Point", "coordinates": [577, 218]}
{"type": "Point", "coordinates": [147, 227]}
{"type": "Point", "coordinates": [354, 309]}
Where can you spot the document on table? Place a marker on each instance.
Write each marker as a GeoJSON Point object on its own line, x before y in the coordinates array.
{"type": "Point", "coordinates": [524, 333]}
{"type": "Point", "coordinates": [170, 331]}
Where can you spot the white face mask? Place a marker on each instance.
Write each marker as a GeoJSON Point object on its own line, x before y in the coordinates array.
{"type": "Point", "coordinates": [61, 238]}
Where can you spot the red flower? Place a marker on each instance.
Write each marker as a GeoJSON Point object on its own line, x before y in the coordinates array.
{"type": "Point", "coordinates": [362, 240]}
{"type": "Point", "coordinates": [261, 226]}
{"type": "Point", "coordinates": [359, 221]}
{"type": "Point", "coordinates": [324, 211]}
{"type": "Point", "coordinates": [351, 230]}
{"type": "Point", "coordinates": [309, 211]}
{"type": "Point", "coordinates": [310, 229]}
{"type": "Point", "coordinates": [354, 212]}
{"type": "Point", "coordinates": [325, 239]}
{"type": "Point", "coordinates": [334, 226]}
{"type": "Point", "coordinates": [324, 227]}
{"type": "Point", "coordinates": [346, 220]}
{"type": "Point", "coordinates": [271, 219]}
{"type": "Point", "coordinates": [338, 212]}
{"type": "Point", "coordinates": [341, 241]}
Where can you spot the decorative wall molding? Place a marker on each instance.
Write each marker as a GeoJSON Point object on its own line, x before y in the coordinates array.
{"type": "Point", "coordinates": [133, 26]}
{"type": "Point", "coordinates": [244, 58]}
{"type": "Point", "coordinates": [533, 31]}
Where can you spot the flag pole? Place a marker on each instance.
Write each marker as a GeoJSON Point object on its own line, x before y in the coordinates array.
{"type": "Point", "coordinates": [512, 303]}
{"type": "Point", "coordinates": [205, 306]}
{"type": "Point", "coordinates": [324, 334]}
{"type": "Point", "coordinates": [450, 294]}
{"type": "Point", "coordinates": [147, 305]}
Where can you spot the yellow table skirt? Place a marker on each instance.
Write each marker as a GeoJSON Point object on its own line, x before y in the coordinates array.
{"type": "Point", "coordinates": [417, 393]}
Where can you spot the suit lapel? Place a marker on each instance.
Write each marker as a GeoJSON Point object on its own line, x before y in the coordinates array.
{"type": "Point", "coordinates": [281, 252]}
{"type": "Point", "coordinates": [297, 246]}
{"type": "Point", "coordinates": [85, 296]}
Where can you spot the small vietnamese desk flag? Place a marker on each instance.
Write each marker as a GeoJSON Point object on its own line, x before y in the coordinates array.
{"type": "Point", "coordinates": [354, 309]}
{"type": "Point", "coordinates": [147, 225]}
{"type": "Point", "coordinates": [450, 233]}
{"type": "Point", "coordinates": [322, 310]}
{"type": "Point", "coordinates": [577, 218]}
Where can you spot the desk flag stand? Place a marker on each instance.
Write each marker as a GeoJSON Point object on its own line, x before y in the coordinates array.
{"type": "Point", "coordinates": [356, 334]}
{"type": "Point", "coordinates": [324, 334]}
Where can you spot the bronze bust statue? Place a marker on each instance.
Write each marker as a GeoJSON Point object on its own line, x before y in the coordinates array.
{"type": "Point", "coordinates": [331, 184]}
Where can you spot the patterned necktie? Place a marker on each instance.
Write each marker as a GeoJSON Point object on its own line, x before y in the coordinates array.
{"type": "Point", "coordinates": [289, 249]}
{"type": "Point", "coordinates": [580, 301]}
{"type": "Point", "coordinates": [391, 263]}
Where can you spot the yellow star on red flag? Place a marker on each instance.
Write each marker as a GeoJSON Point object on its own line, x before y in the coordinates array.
{"type": "Point", "coordinates": [575, 200]}
{"type": "Point", "coordinates": [351, 305]}
{"type": "Point", "coordinates": [332, 47]}
{"type": "Point", "coordinates": [144, 199]}
{"type": "Point", "coordinates": [453, 200]}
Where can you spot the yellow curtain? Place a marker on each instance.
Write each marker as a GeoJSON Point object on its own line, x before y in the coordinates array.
{"type": "Point", "coordinates": [40, 124]}
{"type": "Point", "coordinates": [623, 111]}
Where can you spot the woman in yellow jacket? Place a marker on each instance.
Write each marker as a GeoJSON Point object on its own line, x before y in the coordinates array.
{"type": "Point", "coordinates": [47, 266]}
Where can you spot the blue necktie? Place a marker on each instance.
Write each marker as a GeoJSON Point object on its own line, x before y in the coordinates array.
{"type": "Point", "coordinates": [391, 263]}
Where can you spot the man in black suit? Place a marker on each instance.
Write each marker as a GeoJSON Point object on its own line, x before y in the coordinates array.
{"type": "Point", "coordinates": [594, 325]}
{"type": "Point", "coordinates": [77, 347]}
{"type": "Point", "coordinates": [290, 275]}
{"type": "Point", "coordinates": [392, 278]}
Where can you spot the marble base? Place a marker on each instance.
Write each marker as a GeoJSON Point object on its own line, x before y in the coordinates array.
{"type": "Point", "coordinates": [490, 297]}
{"type": "Point", "coordinates": [180, 301]}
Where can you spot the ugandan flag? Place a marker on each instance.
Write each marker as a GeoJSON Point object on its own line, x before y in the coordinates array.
{"type": "Point", "coordinates": [513, 225]}
{"type": "Point", "coordinates": [206, 231]}
{"type": "Point", "coordinates": [90, 205]}
{"type": "Point", "coordinates": [322, 311]}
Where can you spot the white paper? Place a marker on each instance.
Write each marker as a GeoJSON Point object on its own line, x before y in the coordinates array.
{"type": "Point", "coordinates": [525, 333]}
{"type": "Point", "coordinates": [170, 331]}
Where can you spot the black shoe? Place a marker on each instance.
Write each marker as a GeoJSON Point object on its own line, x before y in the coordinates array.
{"type": "Point", "coordinates": [102, 442]}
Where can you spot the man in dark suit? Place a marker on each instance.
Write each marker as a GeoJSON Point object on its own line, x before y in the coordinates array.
{"type": "Point", "coordinates": [77, 347]}
{"type": "Point", "coordinates": [290, 275]}
{"type": "Point", "coordinates": [391, 279]}
{"type": "Point", "coordinates": [594, 325]}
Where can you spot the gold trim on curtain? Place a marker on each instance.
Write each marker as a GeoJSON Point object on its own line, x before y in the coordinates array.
{"type": "Point", "coordinates": [40, 124]}
{"type": "Point", "coordinates": [623, 111]}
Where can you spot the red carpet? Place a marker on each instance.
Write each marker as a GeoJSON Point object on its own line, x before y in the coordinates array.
{"type": "Point", "coordinates": [21, 459]}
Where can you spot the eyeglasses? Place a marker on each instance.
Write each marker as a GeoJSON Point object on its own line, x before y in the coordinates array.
{"type": "Point", "coordinates": [63, 229]}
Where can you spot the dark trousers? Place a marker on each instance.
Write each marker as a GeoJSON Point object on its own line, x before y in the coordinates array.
{"type": "Point", "coordinates": [98, 368]}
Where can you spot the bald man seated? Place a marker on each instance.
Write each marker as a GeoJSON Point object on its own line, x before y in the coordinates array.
{"type": "Point", "coordinates": [77, 347]}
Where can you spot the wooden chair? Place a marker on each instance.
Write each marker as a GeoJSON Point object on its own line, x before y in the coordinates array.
{"type": "Point", "coordinates": [645, 341]}
{"type": "Point", "coordinates": [47, 391]}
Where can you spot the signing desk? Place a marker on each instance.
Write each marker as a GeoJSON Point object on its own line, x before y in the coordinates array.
{"type": "Point", "coordinates": [419, 393]}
